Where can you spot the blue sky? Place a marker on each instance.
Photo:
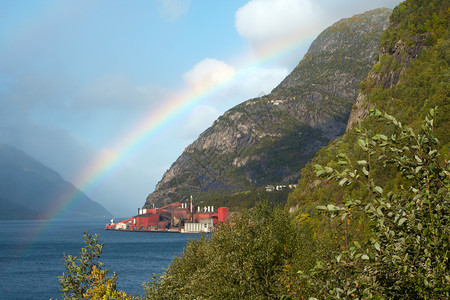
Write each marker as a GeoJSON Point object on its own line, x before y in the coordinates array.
{"type": "Point", "coordinates": [77, 75]}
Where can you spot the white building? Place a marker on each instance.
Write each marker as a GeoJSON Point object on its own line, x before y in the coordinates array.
{"type": "Point", "coordinates": [121, 226]}
{"type": "Point", "coordinates": [204, 225]}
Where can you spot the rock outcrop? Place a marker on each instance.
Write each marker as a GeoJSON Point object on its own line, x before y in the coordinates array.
{"type": "Point", "coordinates": [388, 76]}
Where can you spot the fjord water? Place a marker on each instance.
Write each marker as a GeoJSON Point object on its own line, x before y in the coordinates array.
{"type": "Point", "coordinates": [31, 255]}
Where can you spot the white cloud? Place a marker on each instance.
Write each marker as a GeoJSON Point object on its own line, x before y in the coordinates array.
{"type": "Point", "coordinates": [173, 9]}
{"type": "Point", "coordinates": [272, 26]}
{"type": "Point", "coordinates": [262, 22]}
{"type": "Point", "coordinates": [235, 84]}
{"type": "Point", "coordinates": [336, 10]}
{"type": "Point", "coordinates": [262, 81]}
{"type": "Point", "coordinates": [207, 74]}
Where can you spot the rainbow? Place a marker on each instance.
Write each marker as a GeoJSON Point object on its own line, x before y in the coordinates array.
{"type": "Point", "coordinates": [174, 108]}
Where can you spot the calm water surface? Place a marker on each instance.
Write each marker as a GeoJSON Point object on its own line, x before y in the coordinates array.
{"type": "Point", "coordinates": [31, 255]}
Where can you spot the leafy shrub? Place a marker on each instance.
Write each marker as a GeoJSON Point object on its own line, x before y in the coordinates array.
{"type": "Point", "coordinates": [84, 277]}
{"type": "Point", "coordinates": [408, 251]}
{"type": "Point", "coordinates": [256, 257]}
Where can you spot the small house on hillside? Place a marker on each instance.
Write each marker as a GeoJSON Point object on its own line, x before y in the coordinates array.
{"type": "Point", "coordinates": [270, 188]}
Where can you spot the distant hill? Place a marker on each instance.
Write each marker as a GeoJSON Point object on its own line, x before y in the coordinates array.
{"type": "Point", "coordinates": [268, 140]}
{"type": "Point", "coordinates": [30, 190]}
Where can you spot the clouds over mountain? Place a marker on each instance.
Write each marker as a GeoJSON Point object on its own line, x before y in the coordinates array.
{"type": "Point", "coordinates": [208, 74]}
{"type": "Point", "coordinates": [263, 21]}
{"type": "Point", "coordinates": [268, 23]}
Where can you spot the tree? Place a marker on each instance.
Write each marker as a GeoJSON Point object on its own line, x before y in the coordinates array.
{"type": "Point", "coordinates": [84, 277]}
{"type": "Point", "coordinates": [104, 288]}
{"type": "Point", "coordinates": [253, 258]}
{"type": "Point", "coordinates": [407, 255]}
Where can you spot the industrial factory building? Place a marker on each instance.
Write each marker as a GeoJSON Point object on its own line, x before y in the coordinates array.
{"type": "Point", "coordinates": [175, 217]}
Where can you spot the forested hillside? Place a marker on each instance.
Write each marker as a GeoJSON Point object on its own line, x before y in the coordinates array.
{"type": "Point", "coordinates": [410, 78]}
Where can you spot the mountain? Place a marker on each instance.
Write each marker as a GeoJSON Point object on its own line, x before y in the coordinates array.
{"type": "Point", "coordinates": [30, 190]}
{"type": "Point", "coordinates": [409, 78]}
{"type": "Point", "coordinates": [269, 139]}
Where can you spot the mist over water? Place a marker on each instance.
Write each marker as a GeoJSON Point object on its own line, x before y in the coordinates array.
{"type": "Point", "coordinates": [32, 252]}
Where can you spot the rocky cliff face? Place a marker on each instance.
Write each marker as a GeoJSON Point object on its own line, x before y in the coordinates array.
{"type": "Point", "coordinates": [385, 74]}
{"type": "Point", "coordinates": [269, 139]}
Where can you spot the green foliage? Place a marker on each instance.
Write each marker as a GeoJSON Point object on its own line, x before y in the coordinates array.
{"type": "Point", "coordinates": [416, 17]}
{"type": "Point", "coordinates": [254, 257]}
{"type": "Point", "coordinates": [74, 281]}
{"type": "Point", "coordinates": [366, 266]}
{"type": "Point", "coordinates": [104, 288]}
{"type": "Point", "coordinates": [313, 190]}
{"type": "Point", "coordinates": [384, 243]}
{"type": "Point", "coordinates": [244, 200]}
{"type": "Point", "coordinates": [84, 277]}
{"type": "Point", "coordinates": [386, 63]}
{"type": "Point", "coordinates": [423, 85]}
{"type": "Point", "coordinates": [408, 251]}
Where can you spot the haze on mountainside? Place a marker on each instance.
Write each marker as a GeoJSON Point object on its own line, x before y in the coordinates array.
{"type": "Point", "coordinates": [30, 190]}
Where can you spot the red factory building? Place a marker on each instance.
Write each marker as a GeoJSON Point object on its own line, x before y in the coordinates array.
{"type": "Point", "coordinates": [175, 217]}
